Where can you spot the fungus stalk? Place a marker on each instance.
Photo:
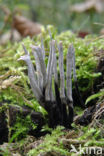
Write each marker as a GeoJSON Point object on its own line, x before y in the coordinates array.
{"type": "Point", "coordinates": [57, 102]}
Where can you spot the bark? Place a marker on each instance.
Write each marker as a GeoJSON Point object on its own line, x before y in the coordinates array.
{"type": "Point", "coordinates": [8, 117]}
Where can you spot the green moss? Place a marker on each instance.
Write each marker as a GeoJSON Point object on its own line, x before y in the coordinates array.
{"type": "Point", "coordinates": [21, 128]}
{"type": "Point", "coordinates": [50, 144]}
{"type": "Point", "coordinates": [93, 136]}
{"type": "Point", "coordinates": [86, 63]}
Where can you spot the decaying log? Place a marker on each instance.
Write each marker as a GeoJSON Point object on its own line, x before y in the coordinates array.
{"type": "Point", "coordinates": [91, 115]}
{"type": "Point", "coordinates": [3, 128]}
{"type": "Point", "coordinates": [57, 100]}
{"type": "Point", "coordinates": [9, 115]}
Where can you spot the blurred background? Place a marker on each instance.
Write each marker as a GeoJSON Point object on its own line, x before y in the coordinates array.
{"type": "Point", "coordinates": [81, 16]}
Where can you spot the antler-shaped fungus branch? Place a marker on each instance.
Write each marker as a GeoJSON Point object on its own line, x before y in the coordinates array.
{"type": "Point", "coordinates": [61, 66]}
{"type": "Point", "coordinates": [32, 75]}
{"type": "Point", "coordinates": [42, 63]}
{"type": "Point", "coordinates": [60, 106]}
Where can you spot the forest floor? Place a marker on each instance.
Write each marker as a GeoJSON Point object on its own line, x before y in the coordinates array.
{"type": "Point", "coordinates": [86, 137]}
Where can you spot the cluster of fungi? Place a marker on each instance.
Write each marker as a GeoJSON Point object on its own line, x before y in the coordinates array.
{"type": "Point", "coordinates": [48, 84]}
